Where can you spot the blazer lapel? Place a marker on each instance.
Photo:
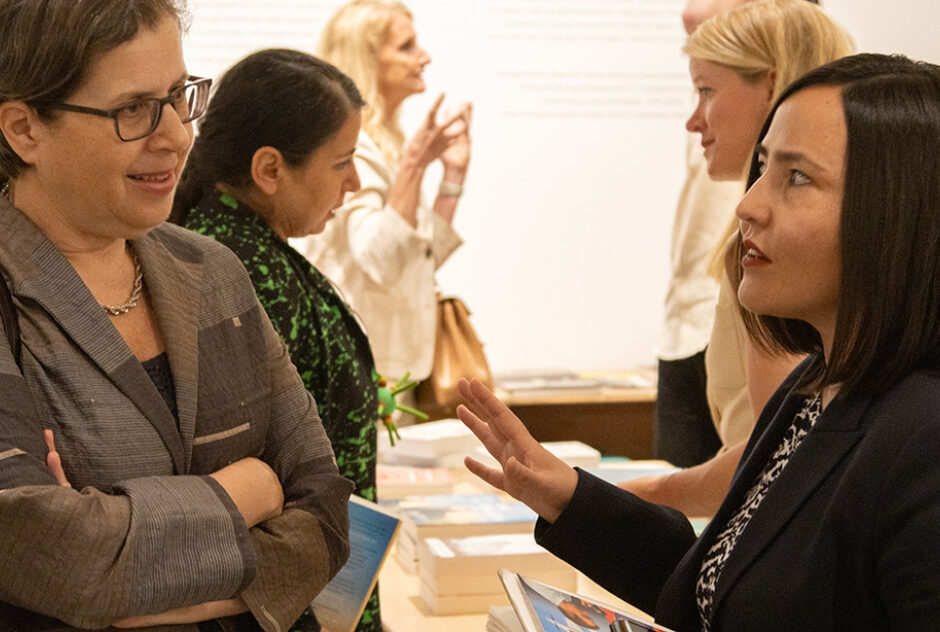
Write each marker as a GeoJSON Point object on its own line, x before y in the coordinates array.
{"type": "Point", "coordinates": [43, 275]}
{"type": "Point", "coordinates": [834, 434]}
{"type": "Point", "coordinates": [173, 286]}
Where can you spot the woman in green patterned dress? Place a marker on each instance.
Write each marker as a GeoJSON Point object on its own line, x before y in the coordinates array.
{"type": "Point", "coordinates": [273, 158]}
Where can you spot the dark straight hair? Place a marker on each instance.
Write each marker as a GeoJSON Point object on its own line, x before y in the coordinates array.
{"type": "Point", "coordinates": [888, 320]}
{"type": "Point", "coordinates": [47, 46]}
{"type": "Point", "coordinates": [276, 97]}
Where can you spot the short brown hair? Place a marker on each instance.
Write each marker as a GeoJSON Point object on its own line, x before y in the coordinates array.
{"type": "Point", "coordinates": [48, 46]}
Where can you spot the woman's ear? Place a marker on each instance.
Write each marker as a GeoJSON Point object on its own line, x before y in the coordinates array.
{"type": "Point", "coordinates": [19, 124]}
{"type": "Point", "coordinates": [267, 169]}
{"type": "Point", "coordinates": [770, 81]}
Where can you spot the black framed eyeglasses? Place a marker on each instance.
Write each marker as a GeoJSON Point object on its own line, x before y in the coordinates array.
{"type": "Point", "coordinates": [140, 118]}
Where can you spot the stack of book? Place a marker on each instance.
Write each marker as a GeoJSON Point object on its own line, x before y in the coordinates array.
{"type": "Point", "coordinates": [461, 575]}
{"type": "Point", "coordinates": [442, 443]}
{"type": "Point", "coordinates": [398, 481]}
{"type": "Point", "coordinates": [454, 516]}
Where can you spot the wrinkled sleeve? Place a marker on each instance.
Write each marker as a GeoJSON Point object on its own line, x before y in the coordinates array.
{"type": "Point", "coordinates": [380, 241]}
{"type": "Point", "coordinates": [87, 557]}
{"type": "Point", "coordinates": [625, 544]}
{"type": "Point", "coordinates": [302, 549]}
{"type": "Point", "coordinates": [444, 241]}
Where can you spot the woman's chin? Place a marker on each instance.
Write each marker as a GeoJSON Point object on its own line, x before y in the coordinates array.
{"type": "Point", "coordinates": [321, 225]}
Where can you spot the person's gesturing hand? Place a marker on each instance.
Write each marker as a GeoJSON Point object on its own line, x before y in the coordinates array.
{"type": "Point", "coordinates": [433, 138]}
{"type": "Point", "coordinates": [527, 471]}
{"type": "Point", "coordinates": [456, 157]}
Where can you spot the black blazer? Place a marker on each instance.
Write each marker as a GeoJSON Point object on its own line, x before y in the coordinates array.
{"type": "Point", "coordinates": [847, 538]}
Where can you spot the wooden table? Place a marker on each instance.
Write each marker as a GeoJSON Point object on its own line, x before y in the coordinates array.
{"type": "Point", "coordinates": [617, 420]}
{"type": "Point", "coordinates": [403, 610]}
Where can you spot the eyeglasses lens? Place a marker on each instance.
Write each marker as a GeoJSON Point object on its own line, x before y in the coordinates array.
{"type": "Point", "coordinates": [142, 117]}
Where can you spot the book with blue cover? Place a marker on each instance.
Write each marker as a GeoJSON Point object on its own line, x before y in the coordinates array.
{"type": "Point", "coordinates": [371, 533]}
{"type": "Point", "coordinates": [456, 521]}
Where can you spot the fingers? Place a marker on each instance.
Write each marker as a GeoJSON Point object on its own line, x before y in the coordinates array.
{"type": "Point", "coordinates": [54, 461]}
{"type": "Point", "coordinates": [432, 113]}
{"type": "Point", "coordinates": [464, 116]}
{"type": "Point", "coordinates": [463, 387]}
{"type": "Point", "coordinates": [489, 475]}
{"type": "Point", "coordinates": [473, 422]}
{"type": "Point", "coordinates": [458, 119]}
{"type": "Point", "coordinates": [477, 418]}
{"type": "Point", "coordinates": [493, 440]}
{"type": "Point", "coordinates": [492, 410]}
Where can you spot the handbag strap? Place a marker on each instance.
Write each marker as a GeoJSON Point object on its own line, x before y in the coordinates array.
{"type": "Point", "coordinates": [11, 325]}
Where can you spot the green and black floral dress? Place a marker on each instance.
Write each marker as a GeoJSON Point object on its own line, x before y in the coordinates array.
{"type": "Point", "coordinates": [325, 341]}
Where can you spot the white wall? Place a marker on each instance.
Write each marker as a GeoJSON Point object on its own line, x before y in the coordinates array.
{"type": "Point", "coordinates": [905, 26]}
{"type": "Point", "coordinates": [577, 156]}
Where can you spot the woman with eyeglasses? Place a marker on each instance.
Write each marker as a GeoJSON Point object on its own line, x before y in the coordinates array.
{"type": "Point", "coordinates": [191, 479]}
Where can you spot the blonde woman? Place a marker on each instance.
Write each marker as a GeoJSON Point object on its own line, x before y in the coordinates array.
{"type": "Point", "coordinates": [385, 244]}
{"type": "Point", "coordinates": [740, 62]}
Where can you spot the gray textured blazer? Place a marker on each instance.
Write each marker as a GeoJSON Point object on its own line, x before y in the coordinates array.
{"type": "Point", "coordinates": [144, 529]}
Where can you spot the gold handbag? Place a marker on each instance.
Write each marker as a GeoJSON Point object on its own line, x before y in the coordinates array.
{"type": "Point", "coordinates": [457, 353]}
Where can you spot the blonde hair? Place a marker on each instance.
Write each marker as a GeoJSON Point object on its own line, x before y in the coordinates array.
{"type": "Point", "coordinates": [788, 37]}
{"type": "Point", "coordinates": [351, 41]}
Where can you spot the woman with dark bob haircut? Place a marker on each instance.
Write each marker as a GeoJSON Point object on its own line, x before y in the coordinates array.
{"type": "Point", "coordinates": [832, 519]}
{"type": "Point", "coordinates": [272, 160]}
{"type": "Point", "coordinates": [190, 482]}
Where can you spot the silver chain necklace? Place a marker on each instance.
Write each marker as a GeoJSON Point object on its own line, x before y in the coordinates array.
{"type": "Point", "coordinates": [117, 310]}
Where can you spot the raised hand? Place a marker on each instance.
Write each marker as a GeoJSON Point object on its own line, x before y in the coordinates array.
{"type": "Point", "coordinates": [456, 157]}
{"type": "Point", "coordinates": [527, 472]}
{"type": "Point", "coordinates": [433, 138]}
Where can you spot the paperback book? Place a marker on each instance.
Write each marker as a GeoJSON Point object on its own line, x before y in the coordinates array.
{"type": "Point", "coordinates": [466, 520]}
{"type": "Point", "coordinates": [461, 575]}
{"type": "Point", "coordinates": [544, 608]}
{"type": "Point", "coordinates": [452, 566]}
{"type": "Point", "coordinates": [442, 443]}
{"type": "Point", "coordinates": [398, 481]}
{"type": "Point", "coordinates": [371, 533]}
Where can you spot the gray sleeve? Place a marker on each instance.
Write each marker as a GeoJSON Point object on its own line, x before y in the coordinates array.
{"type": "Point", "coordinates": [87, 557]}
{"type": "Point", "coordinates": [303, 548]}
{"type": "Point", "coordinates": [91, 558]}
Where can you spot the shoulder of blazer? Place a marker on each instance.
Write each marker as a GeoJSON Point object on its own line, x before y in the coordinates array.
{"type": "Point", "coordinates": [368, 151]}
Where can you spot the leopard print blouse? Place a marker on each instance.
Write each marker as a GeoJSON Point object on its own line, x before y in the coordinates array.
{"type": "Point", "coordinates": [714, 560]}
